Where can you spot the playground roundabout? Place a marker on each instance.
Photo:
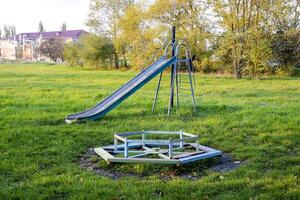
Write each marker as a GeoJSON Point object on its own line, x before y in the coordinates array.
{"type": "Point", "coordinates": [90, 161]}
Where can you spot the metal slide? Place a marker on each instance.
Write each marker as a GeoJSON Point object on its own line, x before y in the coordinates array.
{"type": "Point", "coordinates": [123, 92]}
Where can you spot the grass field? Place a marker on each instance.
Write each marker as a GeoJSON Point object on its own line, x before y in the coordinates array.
{"type": "Point", "coordinates": [256, 121]}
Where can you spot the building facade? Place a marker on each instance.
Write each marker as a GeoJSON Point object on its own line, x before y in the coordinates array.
{"type": "Point", "coordinates": [7, 50]}
{"type": "Point", "coordinates": [24, 46]}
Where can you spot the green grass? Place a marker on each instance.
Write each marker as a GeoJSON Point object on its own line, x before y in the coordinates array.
{"type": "Point", "coordinates": [253, 120]}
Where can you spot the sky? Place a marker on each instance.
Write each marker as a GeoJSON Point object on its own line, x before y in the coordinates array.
{"type": "Point", "coordinates": [26, 14]}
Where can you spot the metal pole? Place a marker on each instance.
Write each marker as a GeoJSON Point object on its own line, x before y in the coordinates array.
{"type": "Point", "coordinates": [115, 143]}
{"type": "Point", "coordinates": [170, 149]}
{"type": "Point", "coordinates": [143, 138]}
{"type": "Point", "coordinates": [197, 146]}
{"type": "Point", "coordinates": [171, 92]}
{"type": "Point", "coordinates": [126, 148]}
{"type": "Point", "coordinates": [192, 88]}
{"type": "Point", "coordinates": [181, 137]}
{"type": "Point", "coordinates": [177, 89]}
{"type": "Point", "coordinates": [156, 92]}
{"type": "Point", "coordinates": [173, 66]}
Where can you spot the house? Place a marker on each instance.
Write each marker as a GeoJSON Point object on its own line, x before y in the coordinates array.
{"type": "Point", "coordinates": [23, 46]}
{"type": "Point", "coordinates": [71, 35]}
{"type": "Point", "coordinates": [7, 50]}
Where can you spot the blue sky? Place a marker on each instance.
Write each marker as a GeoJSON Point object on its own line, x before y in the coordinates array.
{"type": "Point", "coordinates": [26, 14]}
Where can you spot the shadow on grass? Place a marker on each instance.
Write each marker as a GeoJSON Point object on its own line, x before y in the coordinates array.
{"type": "Point", "coordinates": [206, 110]}
{"type": "Point", "coordinates": [192, 171]}
{"type": "Point", "coordinates": [49, 122]}
{"type": "Point", "coordinates": [180, 113]}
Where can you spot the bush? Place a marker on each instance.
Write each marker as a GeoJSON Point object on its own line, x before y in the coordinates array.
{"type": "Point", "coordinates": [208, 66]}
{"type": "Point", "coordinates": [71, 54]}
{"type": "Point", "coordinates": [285, 49]}
{"type": "Point", "coordinates": [90, 50]}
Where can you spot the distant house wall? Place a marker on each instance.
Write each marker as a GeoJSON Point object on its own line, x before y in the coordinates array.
{"type": "Point", "coordinates": [23, 46]}
{"type": "Point", "coordinates": [27, 52]}
{"type": "Point", "coordinates": [7, 50]}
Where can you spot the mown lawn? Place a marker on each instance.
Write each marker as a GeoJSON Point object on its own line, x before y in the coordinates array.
{"type": "Point", "coordinates": [256, 121]}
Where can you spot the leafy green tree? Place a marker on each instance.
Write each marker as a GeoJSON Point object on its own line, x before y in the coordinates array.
{"type": "Point", "coordinates": [136, 36]}
{"type": "Point", "coordinates": [259, 55]}
{"type": "Point", "coordinates": [286, 48]}
{"type": "Point", "coordinates": [234, 15]}
{"type": "Point", "coordinates": [71, 53]}
{"type": "Point", "coordinates": [243, 19]}
{"type": "Point", "coordinates": [187, 16]}
{"type": "Point", "coordinates": [144, 30]}
{"type": "Point", "coordinates": [90, 50]}
{"type": "Point", "coordinates": [236, 36]}
{"type": "Point", "coordinates": [103, 19]}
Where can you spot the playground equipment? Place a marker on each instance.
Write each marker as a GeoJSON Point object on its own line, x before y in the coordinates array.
{"type": "Point", "coordinates": [163, 147]}
{"type": "Point", "coordinates": [181, 73]}
{"type": "Point", "coordinates": [139, 147]}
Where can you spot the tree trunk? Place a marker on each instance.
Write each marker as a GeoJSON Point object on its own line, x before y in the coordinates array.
{"type": "Point", "coordinates": [116, 60]}
{"type": "Point", "coordinates": [237, 68]}
{"type": "Point", "coordinates": [125, 61]}
{"type": "Point", "coordinates": [254, 71]}
{"type": "Point", "coordinates": [235, 72]}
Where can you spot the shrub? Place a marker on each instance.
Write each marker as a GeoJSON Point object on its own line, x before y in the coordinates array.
{"type": "Point", "coordinates": [285, 49]}
{"type": "Point", "coordinates": [90, 50]}
{"type": "Point", "coordinates": [71, 54]}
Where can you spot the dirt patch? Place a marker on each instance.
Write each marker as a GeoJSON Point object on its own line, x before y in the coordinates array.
{"type": "Point", "coordinates": [89, 164]}
{"type": "Point", "coordinates": [226, 163]}
{"type": "Point", "coordinates": [90, 161]}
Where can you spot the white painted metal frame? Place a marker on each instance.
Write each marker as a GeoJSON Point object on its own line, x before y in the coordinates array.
{"type": "Point", "coordinates": [134, 150]}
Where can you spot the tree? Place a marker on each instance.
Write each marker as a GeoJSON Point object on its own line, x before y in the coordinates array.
{"type": "Point", "coordinates": [41, 27]}
{"type": "Point", "coordinates": [238, 36]}
{"type": "Point", "coordinates": [295, 21]}
{"type": "Point", "coordinates": [236, 18]}
{"type": "Point", "coordinates": [9, 31]}
{"type": "Point", "coordinates": [90, 50]}
{"type": "Point", "coordinates": [6, 31]}
{"type": "Point", "coordinates": [142, 30]}
{"type": "Point", "coordinates": [53, 48]}
{"type": "Point", "coordinates": [71, 53]}
{"type": "Point", "coordinates": [97, 51]}
{"type": "Point", "coordinates": [13, 30]}
{"type": "Point", "coordinates": [136, 37]}
{"type": "Point", "coordinates": [103, 19]}
{"type": "Point", "coordinates": [286, 48]}
{"type": "Point", "coordinates": [63, 27]}
{"type": "Point", "coordinates": [243, 19]}
{"type": "Point", "coordinates": [259, 56]}
{"type": "Point", "coordinates": [187, 16]}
